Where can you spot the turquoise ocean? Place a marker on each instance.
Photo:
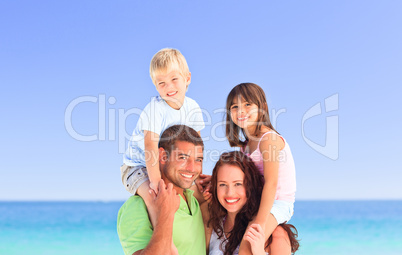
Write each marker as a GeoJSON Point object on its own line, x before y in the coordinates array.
{"type": "Point", "coordinates": [325, 227]}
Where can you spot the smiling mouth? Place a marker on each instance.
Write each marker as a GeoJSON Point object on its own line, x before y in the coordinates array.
{"type": "Point", "coordinates": [188, 176]}
{"type": "Point", "coordinates": [241, 119]}
{"type": "Point", "coordinates": [232, 201]}
{"type": "Point", "coordinates": [172, 94]}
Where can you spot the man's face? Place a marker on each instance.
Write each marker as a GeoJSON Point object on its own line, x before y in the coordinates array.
{"type": "Point", "coordinates": [183, 165]}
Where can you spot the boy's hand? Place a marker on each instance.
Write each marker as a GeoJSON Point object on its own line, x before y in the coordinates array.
{"type": "Point", "coordinates": [255, 236]}
{"type": "Point", "coordinates": [154, 186]}
{"type": "Point", "coordinates": [202, 182]}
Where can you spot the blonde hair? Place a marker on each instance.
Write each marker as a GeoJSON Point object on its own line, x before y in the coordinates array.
{"type": "Point", "coordinates": [166, 59]}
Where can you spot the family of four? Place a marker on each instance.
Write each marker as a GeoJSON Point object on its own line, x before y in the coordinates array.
{"type": "Point", "coordinates": [242, 208]}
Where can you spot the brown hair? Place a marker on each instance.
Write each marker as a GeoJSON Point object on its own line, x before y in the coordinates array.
{"type": "Point", "coordinates": [177, 133]}
{"type": "Point", "coordinates": [253, 183]}
{"type": "Point", "coordinates": [292, 233]}
{"type": "Point", "coordinates": [251, 93]}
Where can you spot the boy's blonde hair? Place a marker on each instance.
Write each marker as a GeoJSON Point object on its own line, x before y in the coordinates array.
{"type": "Point", "coordinates": [165, 59]}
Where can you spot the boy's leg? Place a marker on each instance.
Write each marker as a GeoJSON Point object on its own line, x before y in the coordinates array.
{"type": "Point", "coordinates": [143, 191]}
{"type": "Point", "coordinates": [133, 176]}
{"type": "Point", "coordinates": [136, 181]}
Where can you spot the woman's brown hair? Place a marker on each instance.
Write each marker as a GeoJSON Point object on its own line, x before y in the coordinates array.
{"type": "Point", "coordinates": [251, 93]}
{"type": "Point", "coordinates": [253, 182]}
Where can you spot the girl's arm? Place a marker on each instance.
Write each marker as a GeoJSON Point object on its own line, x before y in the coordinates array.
{"type": "Point", "coordinates": [270, 147]}
{"type": "Point", "coordinates": [151, 141]}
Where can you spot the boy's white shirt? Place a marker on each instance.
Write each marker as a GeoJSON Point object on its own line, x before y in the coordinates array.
{"type": "Point", "coordinates": [156, 117]}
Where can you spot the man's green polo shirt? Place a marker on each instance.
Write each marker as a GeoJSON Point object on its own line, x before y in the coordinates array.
{"type": "Point", "coordinates": [135, 229]}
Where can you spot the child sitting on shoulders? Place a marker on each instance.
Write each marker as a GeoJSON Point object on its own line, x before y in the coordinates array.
{"type": "Point", "coordinates": [171, 76]}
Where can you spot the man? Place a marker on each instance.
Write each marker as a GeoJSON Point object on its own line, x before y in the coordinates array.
{"type": "Point", "coordinates": [179, 220]}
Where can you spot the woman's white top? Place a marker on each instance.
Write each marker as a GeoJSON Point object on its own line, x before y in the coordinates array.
{"type": "Point", "coordinates": [215, 245]}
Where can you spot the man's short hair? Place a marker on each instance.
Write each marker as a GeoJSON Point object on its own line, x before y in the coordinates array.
{"type": "Point", "coordinates": [179, 133]}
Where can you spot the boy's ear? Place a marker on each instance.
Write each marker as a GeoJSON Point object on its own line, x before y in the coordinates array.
{"type": "Point", "coordinates": [188, 78]}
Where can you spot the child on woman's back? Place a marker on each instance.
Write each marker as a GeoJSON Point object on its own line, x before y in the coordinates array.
{"type": "Point", "coordinates": [247, 113]}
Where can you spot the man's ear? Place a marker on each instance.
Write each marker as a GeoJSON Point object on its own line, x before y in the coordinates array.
{"type": "Point", "coordinates": [162, 156]}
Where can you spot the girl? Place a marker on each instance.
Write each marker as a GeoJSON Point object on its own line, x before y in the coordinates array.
{"type": "Point", "coordinates": [247, 113]}
{"type": "Point", "coordinates": [235, 196]}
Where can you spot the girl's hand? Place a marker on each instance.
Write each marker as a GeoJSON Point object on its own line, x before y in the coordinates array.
{"type": "Point", "coordinates": [202, 182]}
{"type": "Point", "coordinates": [255, 236]}
{"type": "Point", "coordinates": [207, 195]}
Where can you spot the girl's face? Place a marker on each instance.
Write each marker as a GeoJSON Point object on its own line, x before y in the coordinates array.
{"type": "Point", "coordinates": [231, 191]}
{"type": "Point", "coordinates": [243, 113]}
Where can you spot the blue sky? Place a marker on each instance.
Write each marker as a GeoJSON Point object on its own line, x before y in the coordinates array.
{"type": "Point", "coordinates": [55, 53]}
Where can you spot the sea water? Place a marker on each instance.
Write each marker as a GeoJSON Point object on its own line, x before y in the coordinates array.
{"type": "Point", "coordinates": [325, 227]}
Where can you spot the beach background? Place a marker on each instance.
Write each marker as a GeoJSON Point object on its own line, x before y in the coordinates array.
{"type": "Point", "coordinates": [74, 77]}
{"type": "Point", "coordinates": [330, 227]}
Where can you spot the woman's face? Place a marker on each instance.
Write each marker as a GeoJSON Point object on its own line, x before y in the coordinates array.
{"type": "Point", "coordinates": [231, 191]}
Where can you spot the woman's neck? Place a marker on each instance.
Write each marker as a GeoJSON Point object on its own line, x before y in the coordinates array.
{"type": "Point", "coordinates": [229, 222]}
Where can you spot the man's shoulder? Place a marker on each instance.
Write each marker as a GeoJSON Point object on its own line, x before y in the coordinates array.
{"type": "Point", "coordinates": [133, 203]}
{"type": "Point", "coordinates": [133, 213]}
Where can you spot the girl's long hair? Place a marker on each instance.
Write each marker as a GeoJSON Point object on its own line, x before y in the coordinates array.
{"type": "Point", "coordinates": [253, 183]}
{"type": "Point", "coordinates": [251, 93]}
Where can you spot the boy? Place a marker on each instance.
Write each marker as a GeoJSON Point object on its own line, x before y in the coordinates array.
{"type": "Point", "coordinates": [171, 76]}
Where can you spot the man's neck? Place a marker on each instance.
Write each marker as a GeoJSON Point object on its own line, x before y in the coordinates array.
{"type": "Point", "coordinates": [179, 190]}
{"type": "Point", "coordinates": [181, 193]}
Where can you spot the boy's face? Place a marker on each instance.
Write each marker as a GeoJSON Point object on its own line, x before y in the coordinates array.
{"type": "Point", "coordinates": [172, 87]}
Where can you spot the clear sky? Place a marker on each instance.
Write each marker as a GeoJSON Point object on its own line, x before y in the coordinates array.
{"type": "Point", "coordinates": [74, 76]}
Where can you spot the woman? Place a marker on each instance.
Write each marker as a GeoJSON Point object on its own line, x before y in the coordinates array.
{"type": "Point", "coordinates": [234, 198]}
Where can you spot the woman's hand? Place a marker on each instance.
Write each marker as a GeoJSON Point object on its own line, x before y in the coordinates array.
{"type": "Point", "coordinates": [255, 236]}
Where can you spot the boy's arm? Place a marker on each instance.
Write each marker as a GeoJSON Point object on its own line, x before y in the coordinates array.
{"type": "Point", "coordinates": [151, 141]}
